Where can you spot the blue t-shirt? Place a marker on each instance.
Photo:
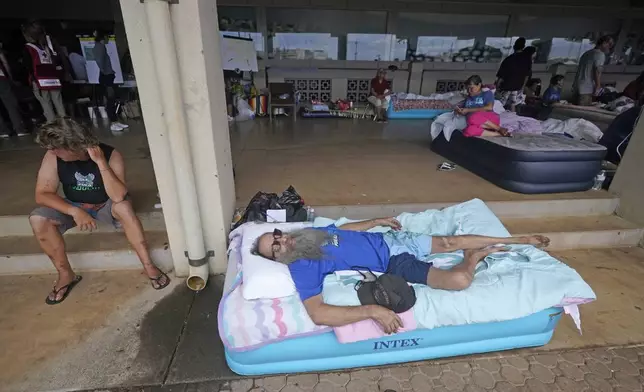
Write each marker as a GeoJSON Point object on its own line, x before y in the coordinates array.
{"type": "Point", "coordinates": [478, 101]}
{"type": "Point", "coordinates": [346, 249]}
{"type": "Point", "coordinates": [552, 94]}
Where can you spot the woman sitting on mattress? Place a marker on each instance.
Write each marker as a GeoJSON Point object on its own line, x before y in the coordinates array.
{"type": "Point", "coordinates": [478, 107]}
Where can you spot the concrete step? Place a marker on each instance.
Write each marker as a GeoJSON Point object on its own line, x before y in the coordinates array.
{"type": "Point", "coordinates": [18, 225]}
{"type": "Point", "coordinates": [111, 251]}
{"type": "Point", "coordinates": [87, 252]}
{"type": "Point", "coordinates": [606, 204]}
{"type": "Point", "coordinates": [603, 231]}
{"type": "Point", "coordinates": [571, 224]}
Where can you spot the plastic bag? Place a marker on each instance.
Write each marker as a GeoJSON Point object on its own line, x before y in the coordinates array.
{"type": "Point", "coordinates": [289, 200]}
{"type": "Point", "coordinates": [244, 111]}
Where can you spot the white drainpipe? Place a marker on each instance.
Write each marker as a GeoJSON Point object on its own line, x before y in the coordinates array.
{"type": "Point", "coordinates": [166, 64]}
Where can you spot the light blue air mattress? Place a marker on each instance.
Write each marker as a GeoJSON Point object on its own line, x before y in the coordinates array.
{"type": "Point", "coordinates": [270, 336]}
{"type": "Point", "coordinates": [323, 352]}
{"type": "Point", "coordinates": [414, 113]}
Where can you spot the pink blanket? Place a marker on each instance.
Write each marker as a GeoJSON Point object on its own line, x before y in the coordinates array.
{"type": "Point", "coordinates": [408, 104]}
{"type": "Point", "coordinates": [369, 329]}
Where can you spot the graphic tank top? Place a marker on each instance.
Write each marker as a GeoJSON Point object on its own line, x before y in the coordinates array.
{"type": "Point", "coordinates": [82, 181]}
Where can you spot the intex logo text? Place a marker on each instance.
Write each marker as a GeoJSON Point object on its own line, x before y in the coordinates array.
{"type": "Point", "coordinates": [396, 343]}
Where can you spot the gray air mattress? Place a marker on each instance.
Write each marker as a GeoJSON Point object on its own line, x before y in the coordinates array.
{"type": "Point", "coordinates": [526, 163]}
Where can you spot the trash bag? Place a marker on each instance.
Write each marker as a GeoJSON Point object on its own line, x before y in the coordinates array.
{"type": "Point", "coordinates": [289, 200]}
{"type": "Point", "coordinates": [293, 203]}
{"type": "Point", "coordinates": [245, 112]}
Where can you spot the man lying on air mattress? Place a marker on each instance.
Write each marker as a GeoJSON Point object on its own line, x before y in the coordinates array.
{"type": "Point", "coordinates": [313, 253]}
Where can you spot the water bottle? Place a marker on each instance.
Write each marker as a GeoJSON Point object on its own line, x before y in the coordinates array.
{"type": "Point", "coordinates": [310, 214]}
{"type": "Point", "coordinates": [599, 180]}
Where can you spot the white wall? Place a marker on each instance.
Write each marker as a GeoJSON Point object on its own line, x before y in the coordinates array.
{"type": "Point", "coordinates": [423, 75]}
{"type": "Point", "coordinates": [339, 77]}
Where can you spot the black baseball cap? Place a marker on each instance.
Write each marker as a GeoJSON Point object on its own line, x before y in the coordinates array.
{"type": "Point", "coordinates": [390, 291]}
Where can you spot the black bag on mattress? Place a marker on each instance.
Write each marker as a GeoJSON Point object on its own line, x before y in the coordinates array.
{"type": "Point", "coordinates": [289, 200]}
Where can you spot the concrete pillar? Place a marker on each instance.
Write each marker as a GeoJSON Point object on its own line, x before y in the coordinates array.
{"type": "Point", "coordinates": [629, 182]}
{"type": "Point", "coordinates": [392, 22]}
{"type": "Point", "coordinates": [626, 27]}
{"type": "Point", "coordinates": [196, 37]}
{"type": "Point", "coordinates": [197, 40]}
{"type": "Point", "coordinates": [511, 26]}
{"type": "Point", "coordinates": [260, 78]}
{"type": "Point", "coordinates": [416, 78]}
{"type": "Point", "coordinates": [138, 39]}
{"type": "Point", "coordinates": [262, 27]}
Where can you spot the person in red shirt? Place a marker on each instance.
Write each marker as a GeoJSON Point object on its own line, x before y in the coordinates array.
{"type": "Point", "coordinates": [44, 70]}
{"type": "Point", "coordinates": [379, 98]}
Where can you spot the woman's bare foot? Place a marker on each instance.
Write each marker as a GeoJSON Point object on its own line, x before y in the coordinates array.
{"type": "Point", "coordinates": [539, 241]}
{"type": "Point", "coordinates": [504, 132]}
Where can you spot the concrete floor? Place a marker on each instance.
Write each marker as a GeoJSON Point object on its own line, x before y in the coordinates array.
{"type": "Point", "coordinates": [116, 331]}
{"type": "Point", "coordinates": [329, 161]}
{"type": "Point", "coordinates": [341, 161]}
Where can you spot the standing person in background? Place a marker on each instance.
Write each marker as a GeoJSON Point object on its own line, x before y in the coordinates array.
{"type": "Point", "coordinates": [106, 78]}
{"type": "Point", "coordinates": [512, 76]}
{"type": "Point", "coordinates": [44, 74]}
{"type": "Point", "coordinates": [9, 100]}
{"type": "Point", "coordinates": [379, 98]}
{"type": "Point", "coordinates": [588, 77]}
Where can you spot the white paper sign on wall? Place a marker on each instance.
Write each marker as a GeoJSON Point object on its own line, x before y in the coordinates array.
{"type": "Point", "coordinates": [87, 46]}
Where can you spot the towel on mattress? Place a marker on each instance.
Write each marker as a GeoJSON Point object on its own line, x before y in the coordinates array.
{"type": "Point", "coordinates": [577, 128]}
{"type": "Point", "coordinates": [250, 324]}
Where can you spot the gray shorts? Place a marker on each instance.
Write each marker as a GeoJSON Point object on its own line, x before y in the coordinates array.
{"type": "Point", "coordinates": [66, 222]}
{"type": "Point", "coordinates": [509, 98]}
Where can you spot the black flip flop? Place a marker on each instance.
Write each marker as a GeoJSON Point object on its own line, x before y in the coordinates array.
{"type": "Point", "coordinates": [69, 288]}
{"type": "Point", "coordinates": [158, 278]}
{"type": "Point", "coordinates": [446, 166]}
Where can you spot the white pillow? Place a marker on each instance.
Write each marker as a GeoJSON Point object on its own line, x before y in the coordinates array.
{"type": "Point", "coordinates": [264, 278]}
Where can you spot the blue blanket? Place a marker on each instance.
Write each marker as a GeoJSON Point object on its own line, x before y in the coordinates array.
{"type": "Point", "coordinates": [508, 285]}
